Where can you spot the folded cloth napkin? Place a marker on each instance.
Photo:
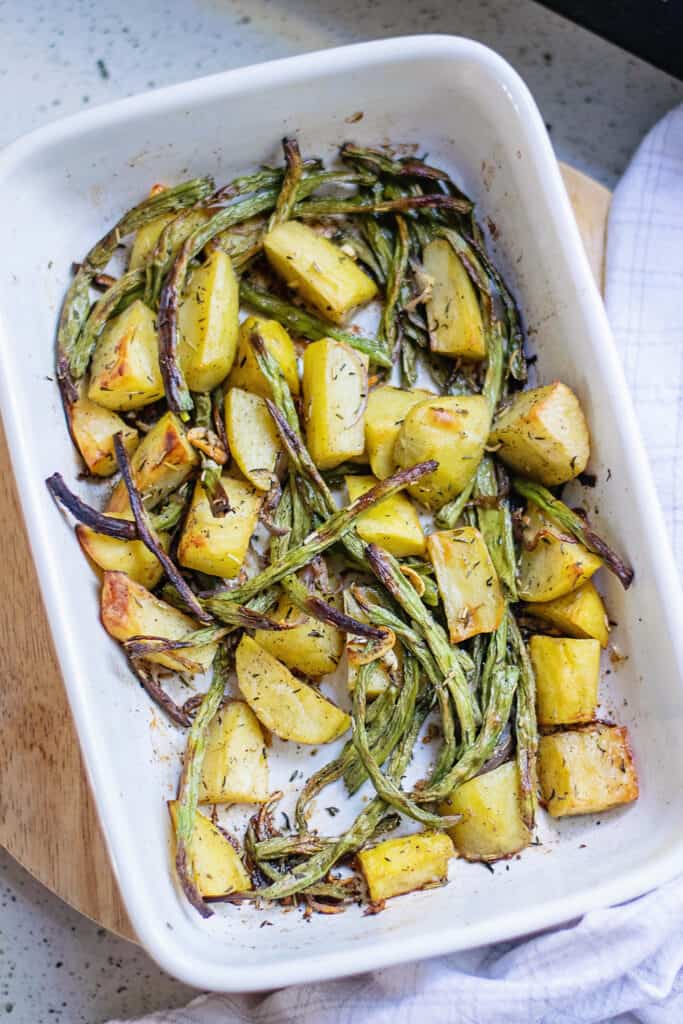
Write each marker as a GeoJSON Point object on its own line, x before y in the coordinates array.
{"type": "Point", "coordinates": [622, 964]}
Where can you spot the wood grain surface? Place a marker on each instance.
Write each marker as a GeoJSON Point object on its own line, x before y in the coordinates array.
{"type": "Point", "coordinates": [47, 815]}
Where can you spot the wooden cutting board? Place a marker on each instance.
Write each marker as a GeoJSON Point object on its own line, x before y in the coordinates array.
{"type": "Point", "coordinates": [47, 814]}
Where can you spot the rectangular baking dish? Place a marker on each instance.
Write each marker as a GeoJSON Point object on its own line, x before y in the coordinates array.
{"type": "Point", "coordinates": [471, 113]}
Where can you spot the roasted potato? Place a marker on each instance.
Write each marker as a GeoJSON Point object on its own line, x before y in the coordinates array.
{"type": "Point", "coordinates": [125, 371]}
{"type": "Point", "coordinates": [208, 323]}
{"type": "Point", "coordinates": [453, 314]}
{"type": "Point", "coordinates": [217, 545]}
{"type": "Point", "coordinates": [286, 706]}
{"type": "Point", "coordinates": [567, 677]}
{"type": "Point", "coordinates": [586, 770]}
{"type": "Point", "coordinates": [392, 524]}
{"type": "Point", "coordinates": [543, 434]}
{"type": "Point", "coordinates": [313, 647]}
{"type": "Point", "coordinates": [580, 614]}
{"type": "Point", "coordinates": [216, 865]}
{"type": "Point", "coordinates": [235, 768]}
{"type": "Point", "coordinates": [93, 429]}
{"type": "Point", "coordinates": [129, 556]}
{"type": "Point", "coordinates": [384, 416]}
{"type": "Point", "coordinates": [128, 610]}
{"type": "Point", "coordinates": [161, 463]}
{"type": "Point", "coordinates": [401, 865]}
{"type": "Point", "coordinates": [468, 583]}
{"type": "Point", "coordinates": [146, 237]}
{"type": "Point", "coordinates": [491, 825]}
{"type": "Point", "coordinates": [319, 271]}
{"type": "Point", "coordinates": [252, 436]}
{"type": "Point", "coordinates": [451, 430]}
{"type": "Point", "coordinates": [335, 384]}
{"type": "Point", "coordinates": [245, 371]}
{"type": "Point", "coordinates": [552, 562]}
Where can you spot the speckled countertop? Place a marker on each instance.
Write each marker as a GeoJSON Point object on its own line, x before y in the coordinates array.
{"type": "Point", "coordinates": [59, 56]}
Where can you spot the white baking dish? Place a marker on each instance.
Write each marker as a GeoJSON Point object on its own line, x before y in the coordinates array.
{"type": "Point", "coordinates": [468, 109]}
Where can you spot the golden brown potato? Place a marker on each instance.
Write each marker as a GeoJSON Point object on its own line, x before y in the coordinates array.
{"type": "Point", "coordinates": [129, 556]}
{"type": "Point", "coordinates": [235, 768]}
{"type": "Point", "coordinates": [402, 865]}
{"type": "Point", "coordinates": [208, 323]}
{"type": "Point", "coordinates": [128, 609]}
{"type": "Point", "coordinates": [580, 614]}
{"type": "Point", "coordinates": [468, 583]}
{"type": "Point", "coordinates": [543, 434]}
{"type": "Point", "coordinates": [319, 271]}
{"type": "Point", "coordinates": [162, 462]}
{"type": "Point", "coordinates": [491, 825]}
{"type": "Point", "coordinates": [586, 770]}
{"type": "Point", "coordinates": [552, 562]}
{"type": "Point", "coordinates": [252, 436]}
{"type": "Point", "coordinates": [567, 677]}
{"type": "Point", "coordinates": [146, 237]}
{"type": "Point", "coordinates": [451, 430]}
{"type": "Point", "coordinates": [289, 708]}
{"type": "Point", "coordinates": [384, 416]}
{"type": "Point", "coordinates": [217, 545]}
{"type": "Point", "coordinates": [335, 384]}
{"type": "Point", "coordinates": [125, 371]}
{"type": "Point", "coordinates": [93, 428]}
{"type": "Point", "coordinates": [313, 647]}
{"type": "Point", "coordinates": [392, 524]}
{"type": "Point", "coordinates": [453, 314]}
{"type": "Point", "coordinates": [245, 371]}
{"type": "Point", "coordinates": [216, 865]}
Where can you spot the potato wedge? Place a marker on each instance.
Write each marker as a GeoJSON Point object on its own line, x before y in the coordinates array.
{"type": "Point", "coordinates": [491, 825]}
{"type": "Point", "coordinates": [254, 442]}
{"type": "Point", "coordinates": [125, 371]}
{"type": "Point", "coordinates": [161, 463]}
{"type": "Point", "coordinates": [208, 323]}
{"type": "Point", "coordinates": [451, 430]}
{"type": "Point", "coordinates": [453, 314]}
{"type": "Point", "coordinates": [468, 583]}
{"type": "Point", "coordinates": [543, 434]}
{"type": "Point", "coordinates": [402, 865]}
{"type": "Point", "coordinates": [580, 614]}
{"type": "Point", "coordinates": [146, 237]}
{"type": "Point", "coordinates": [552, 562]}
{"type": "Point", "coordinates": [129, 556]}
{"type": "Point", "coordinates": [245, 371]}
{"type": "Point", "coordinates": [586, 770]}
{"type": "Point", "coordinates": [313, 647]}
{"type": "Point", "coordinates": [289, 708]}
{"type": "Point", "coordinates": [93, 428]}
{"type": "Point", "coordinates": [567, 678]}
{"type": "Point", "coordinates": [214, 545]}
{"type": "Point", "coordinates": [128, 609]}
{"type": "Point", "coordinates": [216, 864]}
{"type": "Point", "coordinates": [335, 383]}
{"type": "Point", "coordinates": [392, 524]}
{"type": "Point", "coordinates": [319, 271]}
{"type": "Point", "coordinates": [384, 416]}
{"type": "Point", "coordinates": [235, 768]}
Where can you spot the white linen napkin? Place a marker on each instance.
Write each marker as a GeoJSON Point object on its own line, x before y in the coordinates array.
{"type": "Point", "coordinates": [622, 964]}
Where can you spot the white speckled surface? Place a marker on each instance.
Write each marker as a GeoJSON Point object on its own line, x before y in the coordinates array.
{"type": "Point", "coordinates": [62, 55]}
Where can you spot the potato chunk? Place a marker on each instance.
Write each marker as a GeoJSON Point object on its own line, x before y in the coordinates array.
{"type": "Point", "coordinates": [543, 434]}
{"type": "Point", "coordinates": [453, 314]}
{"type": "Point", "coordinates": [451, 430]}
{"type": "Point", "coordinates": [335, 383]}
{"type": "Point", "coordinates": [252, 436]}
{"type": "Point", "coordinates": [216, 864]}
{"type": "Point", "coordinates": [129, 556]}
{"type": "Point", "coordinates": [313, 647]}
{"type": "Point", "coordinates": [93, 428]}
{"type": "Point", "coordinates": [125, 371]}
{"type": "Point", "coordinates": [235, 769]}
{"type": "Point", "coordinates": [208, 323]}
{"type": "Point", "coordinates": [384, 416]}
{"type": "Point", "coordinates": [579, 614]}
{"type": "Point", "coordinates": [552, 562]}
{"type": "Point", "coordinates": [491, 825]}
{"type": "Point", "coordinates": [245, 371]}
{"type": "Point", "coordinates": [289, 708]}
{"type": "Point", "coordinates": [148, 235]}
{"type": "Point", "coordinates": [567, 678]}
{"type": "Point", "coordinates": [392, 524]}
{"type": "Point", "coordinates": [128, 610]}
{"type": "Point", "coordinates": [319, 271]}
{"type": "Point", "coordinates": [468, 583]}
{"type": "Point", "coordinates": [402, 865]}
{"type": "Point", "coordinates": [586, 770]}
{"type": "Point", "coordinates": [161, 463]}
{"type": "Point", "coordinates": [217, 545]}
